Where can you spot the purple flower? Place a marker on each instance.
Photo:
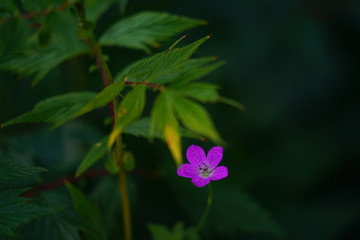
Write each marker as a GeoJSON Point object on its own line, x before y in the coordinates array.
{"type": "Point", "coordinates": [202, 169]}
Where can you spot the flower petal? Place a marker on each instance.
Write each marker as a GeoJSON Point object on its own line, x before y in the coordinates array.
{"type": "Point", "coordinates": [219, 173]}
{"type": "Point", "coordinates": [214, 156]}
{"type": "Point", "coordinates": [187, 170]}
{"type": "Point", "coordinates": [200, 181]}
{"type": "Point", "coordinates": [196, 155]}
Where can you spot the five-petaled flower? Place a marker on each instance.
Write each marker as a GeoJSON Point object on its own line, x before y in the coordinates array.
{"type": "Point", "coordinates": [203, 168]}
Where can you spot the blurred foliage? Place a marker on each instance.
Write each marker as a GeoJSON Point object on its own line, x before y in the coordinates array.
{"type": "Point", "coordinates": [292, 155]}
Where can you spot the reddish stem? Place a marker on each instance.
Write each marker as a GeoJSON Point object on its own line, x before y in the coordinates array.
{"type": "Point", "coordinates": [151, 85]}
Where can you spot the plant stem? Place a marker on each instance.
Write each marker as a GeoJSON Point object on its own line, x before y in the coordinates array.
{"type": "Point", "coordinates": [206, 212]}
{"type": "Point", "coordinates": [107, 78]}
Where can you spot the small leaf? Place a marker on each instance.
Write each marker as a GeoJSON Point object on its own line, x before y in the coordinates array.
{"type": "Point", "coordinates": [102, 98]}
{"type": "Point", "coordinates": [233, 103]}
{"type": "Point", "coordinates": [146, 29]}
{"type": "Point", "coordinates": [195, 118]}
{"type": "Point", "coordinates": [173, 140]}
{"type": "Point", "coordinates": [10, 171]}
{"type": "Point", "coordinates": [163, 120]}
{"type": "Point", "coordinates": [96, 152]}
{"type": "Point", "coordinates": [129, 161]}
{"type": "Point", "coordinates": [141, 128]}
{"type": "Point", "coordinates": [111, 164]}
{"type": "Point", "coordinates": [130, 110]}
{"type": "Point", "coordinates": [90, 215]}
{"type": "Point", "coordinates": [56, 110]}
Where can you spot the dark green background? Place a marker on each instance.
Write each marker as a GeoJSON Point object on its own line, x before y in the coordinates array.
{"type": "Point", "coordinates": [295, 150]}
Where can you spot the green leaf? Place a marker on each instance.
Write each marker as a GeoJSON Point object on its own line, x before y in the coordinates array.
{"type": "Point", "coordinates": [164, 63]}
{"type": "Point", "coordinates": [102, 98]}
{"type": "Point", "coordinates": [10, 171]}
{"type": "Point", "coordinates": [96, 152]}
{"type": "Point", "coordinates": [111, 163]}
{"type": "Point", "coordinates": [141, 128]}
{"type": "Point", "coordinates": [129, 161]}
{"type": "Point", "coordinates": [195, 118]}
{"type": "Point", "coordinates": [146, 29]}
{"type": "Point", "coordinates": [161, 232]}
{"type": "Point", "coordinates": [56, 110]}
{"type": "Point", "coordinates": [16, 210]}
{"type": "Point", "coordinates": [233, 103]}
{"type": "Point", "coordinates": [202, 92]}
{"type": "Point", "coordinates": [90, 215]}
{"type": "Point", "coordinates": [38, 61]}
{"type": "Point", "coordinates": [131, 108]}
{"type": "Point", "coordinates": [163, 120]}
{"type": "Point", "coordinates": [62, 223]}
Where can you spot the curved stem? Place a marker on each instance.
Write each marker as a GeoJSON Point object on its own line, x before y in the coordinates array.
{"type": "Point", "coordinates": [206, 212]}
{"type": "Point", "coordinates": [107, 78]}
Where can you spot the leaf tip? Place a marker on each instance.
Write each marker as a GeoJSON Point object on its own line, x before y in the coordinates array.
{"type": "Point", "coordinates": [210, 35]}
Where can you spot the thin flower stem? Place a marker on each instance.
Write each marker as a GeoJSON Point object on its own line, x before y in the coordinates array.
{"type": "Point", "coordinates": [107, 78]}
{"type": "Point", "coordinates": [206, 212]}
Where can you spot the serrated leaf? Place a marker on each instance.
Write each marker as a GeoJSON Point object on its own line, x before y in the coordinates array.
{"type": "Point", "coordinates": [10, 171]}
{"type": "Point", "coordinates": [146, 29]}
{"type": "Point", "coordinates": [38, 61]}
{"type": "Point", "coordinates": [94, 228]}
{"type": "Point", "coordinates": [96, 152]}
{"type": "Point", "coordinates": [16, 211]}
{"type": "Point", "coordinates": [131, 108]}
{"type": "Point", "coordinates": [163, 120]}
{"type": "Point", "coordinates": [153, 68]}
{"type": "Point", "coordinates": [195, 118]}
{"type": "Point", "coordinates": [141, 128]}
{"type": "Point", "coordinates": [102, 98]}
{"type": "Point", "coordinates": [56, 110]}
{"type": "Point", "coordinates": [62, 223]}
{"type": "Point", "coordinates": [202, 92]}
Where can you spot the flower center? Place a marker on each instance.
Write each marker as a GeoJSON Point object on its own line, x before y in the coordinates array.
{"type": "Point", "coordinates": [205, 171]}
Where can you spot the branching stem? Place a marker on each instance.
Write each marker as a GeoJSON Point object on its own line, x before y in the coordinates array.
{"type": "Point", "coordinates": [107, 79]}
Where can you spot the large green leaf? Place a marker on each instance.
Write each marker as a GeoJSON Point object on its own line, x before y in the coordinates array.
{"type": "Point", "coordinates": [147, 29]}
{"type": "Point", "coordinates": [56, 110]}
{"type": "Point", "coordinates": [16, 211]}
{"type": "Point", "coordinates": [62, 223]}
{"type": "Point", "coordinates": [10, 171]}
{"type": "Point", "coordinates": [96, 152]}
{"type": "Point", "coordinates": [164, 63]}
{"type": "Point", "coordinates": [131, 108]}
{"type": "Point", "coordinates": [38, 60]}
{"type": "Point", "coordinates": [203, 92]}
{"type": "Point", "coordinates": [94, 228]}
{"type": "Point", "coordinates": [195, 118]}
